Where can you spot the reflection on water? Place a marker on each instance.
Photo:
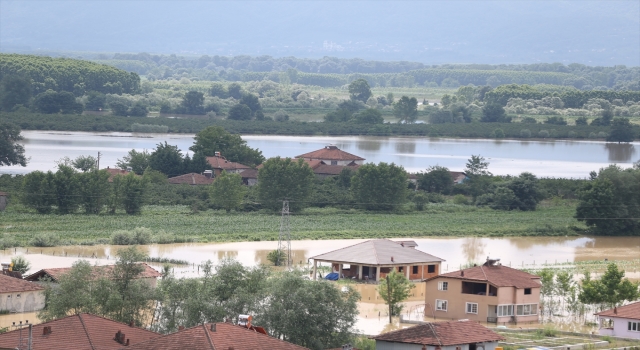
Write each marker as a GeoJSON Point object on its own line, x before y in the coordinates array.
{"type": "Point", "coordinates": [370, 144]}
{"type": "Point", "coordinates": [473, 249]}
{"type": "Point", "coordinates": [620, 152]}
{"type": "Point", "coordinates": [225, 255]}
{"type": "Point", "coordinates": [406, 146]}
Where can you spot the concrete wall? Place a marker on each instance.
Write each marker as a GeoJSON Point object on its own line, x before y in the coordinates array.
{"type": "Point", "coordinates": [619, 329]}
{"type": "Point", "coordinates": [22, 302]}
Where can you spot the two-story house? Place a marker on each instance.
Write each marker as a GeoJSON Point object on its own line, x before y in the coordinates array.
{"type": "Point", "coordinates": [488, 293]}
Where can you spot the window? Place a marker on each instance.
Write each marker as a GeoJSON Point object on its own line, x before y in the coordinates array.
{"type": "Point", "coordinates": [472, 308]}
{"type": "Point", "coordinates": [527, 291]}
{"type": "Point", "coordinates": [633, 326]}
{"type": "Point", "coordinates": [431, 268]}
{"type": "Point", "coordinates": [334, 162]}
{"type": "Point", "coordinates": [17, 295]}
{"type": "Point", "coordinates": [414, 270]}
{"type": "Point", "coordinates": [505, 310]}
{"type": "Point", "coordinates": [526, 309]}
{"type": "Point", "coordinates": [401, 269]}
{"type": "Point", "coordinates": [443, 285]}
{"type": "Point", "coordinates": [441, 305]}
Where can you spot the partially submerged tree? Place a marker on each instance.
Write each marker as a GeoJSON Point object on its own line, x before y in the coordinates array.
{"type": "Point", "coordinates": [394, 289]}
{"type": "Point", "coordinates": [610, 290]}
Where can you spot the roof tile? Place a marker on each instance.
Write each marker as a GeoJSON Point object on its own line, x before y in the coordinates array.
{"type": "Point", "coordinates": [191, 179]}
{"type": "Point", "coordinates": [378, 252]}
{"type": "Point", "coordinates": [442, 334]}
{"type": "Point", "coordinates": [498, 275]}
{"type": "Point", "coordinates": [220, 162]}
{"type": "Point", "coordinates": [331, 153]}
{"type": "Point", "coordinates": [10, 284]}
{"type": "Point", "coordinates": [55, 273]}
{"type": "Point", "coordinates": [627, 311]}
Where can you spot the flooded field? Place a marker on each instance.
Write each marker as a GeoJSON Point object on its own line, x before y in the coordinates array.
{"type": "Point", "coordinates": [527, 252]}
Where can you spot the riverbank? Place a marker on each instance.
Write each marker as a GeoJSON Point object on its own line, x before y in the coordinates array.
{"type": "Point", "coordinates": [169, 224]}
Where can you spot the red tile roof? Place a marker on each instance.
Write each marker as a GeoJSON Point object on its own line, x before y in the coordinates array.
{"type": "Point", "coordinates": [442, 334]}
{"type": "Point", "coordinates": [191, 179]}
{"type": "Point", "coordinates": [113, 172]}
{"type": "Point", "coordinates": [631, 311]}
{"type": "Point", "coordinates": [77, 332]}
{"type": "Point", "coordinates": [55, 273]}
{"type": "Point", "coordinates": [498, 275]}
{"type": "Point", "coordinates": [219, 162]}
{"type": "Point", "coordinates": [4, 194]}
{"type": "Point", "coordinates": [249, 174]}
{"type": "Point", "coordinates": [225, 336]}
{"type": "Point", "coordinates": [10, 284]}
{"type": "Point", "coordinates": [331, 153]}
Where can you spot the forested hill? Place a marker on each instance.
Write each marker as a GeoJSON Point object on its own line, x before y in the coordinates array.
{"type": "Point", "coordinates": [65, 74]}
{"type": "Point", "coordinates": [595, 32]}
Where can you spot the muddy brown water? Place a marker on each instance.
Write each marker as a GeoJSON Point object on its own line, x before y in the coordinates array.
{"type": "Point", "coordinates": [529, 252]}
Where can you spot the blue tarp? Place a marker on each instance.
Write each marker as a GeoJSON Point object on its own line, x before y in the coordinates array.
{"type": "Point", "coordinates": [332, 276]}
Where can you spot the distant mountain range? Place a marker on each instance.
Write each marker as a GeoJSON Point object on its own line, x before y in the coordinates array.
{"type": "Point", "coordinates": [431, 32]}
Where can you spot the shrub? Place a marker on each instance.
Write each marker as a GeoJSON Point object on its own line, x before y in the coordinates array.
{"type": "Point", "coordinates": [420, 200]}
{"type": "Point", "coordinates": [149, 128]}
{"type": "Point", "coordinates": [526, 133]}
{"type": "Point", "coordinates": [46, 240]}
{"type": "Point", "coordinates": [139, 235]}
{"type": "Point", "coordinates": [460, 199]}
{"type": "Point", "coordinates": [543, 133]}
{"type": "Point", "coordinates": [277, 257]}
{"type": "Point", "coordinates": [498, 133]}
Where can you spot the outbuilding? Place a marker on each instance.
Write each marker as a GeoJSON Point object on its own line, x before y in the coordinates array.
{"type": "Point", "coordinates": [623, 321]}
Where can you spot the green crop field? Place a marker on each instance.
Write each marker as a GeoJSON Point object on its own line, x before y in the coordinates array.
{"type": "Point", "coordinates": [20, 226]}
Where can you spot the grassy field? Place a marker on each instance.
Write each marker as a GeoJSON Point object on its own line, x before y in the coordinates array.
{"type": "Point", "coordinates": [178, 223]}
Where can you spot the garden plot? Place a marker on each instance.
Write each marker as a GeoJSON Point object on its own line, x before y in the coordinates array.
{"type": "Point", "coordinates": [531, 340]}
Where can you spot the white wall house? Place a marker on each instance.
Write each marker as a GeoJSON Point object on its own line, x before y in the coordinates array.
{"type": "Point", "coordinates": [623, 321]}
{"type": "Point", "coordinates": [18, 295]}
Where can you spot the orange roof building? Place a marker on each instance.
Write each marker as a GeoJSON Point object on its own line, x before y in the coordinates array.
{"type": "Point", "coordinates": [219, 163]}
{"type": "Point", "coordinates": [148, 273]}
{"type": "Point", "coordinates": [18, 295]}
{"type": "Point", "coordinates": [192, 179]}
{"type": "Point", "coordinates": [214, 336]}
{"type": "Point", "coordinates": [622, 321]}
{"type": "Point", "coordinates": [77, 332]}
{"type": "Point", "coordinates": [332, 155]}
{"type": "Point", "coordinates": [463, 334]}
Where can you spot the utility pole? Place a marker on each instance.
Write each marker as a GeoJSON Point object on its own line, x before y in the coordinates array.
{"type": "Point", "coordinates": [285, 234]}
{"type": "Point", "coordinates": [99, 154]}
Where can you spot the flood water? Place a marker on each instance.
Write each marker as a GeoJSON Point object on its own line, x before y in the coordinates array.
{"type": "Point", "coordinates": [560, 158]}
{"type": "Point", "coordinates": [528, 252]}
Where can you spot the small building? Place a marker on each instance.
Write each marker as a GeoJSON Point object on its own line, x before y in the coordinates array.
{"type": "Point", "coordinates": [458, 177]}
{"type": "Point", "coordinates": [490, 293]}
{"type": "Point", "coordinates": [81, 331]}
{"type": "Point", "coordinates": [113, 172]}
{"type": "Point", "coordinates": [623, 321]}
{"type": "Point", "coordinates": [250, 177]}
{"type": "Point", "coordinates": [324, 170]}
{"type": "Point", "coordinates": [374, 259]}
{"type": "Point", "coordinates": [18, 295]}
{"type": "Point", "coordinates": [3, 200]}
{"type": "Point", "coordinates": [193, 179]}
{"type": "Point", "coordinates": [215, 336]}
{"type": "Point", "coordinates": [454, 335]}
{"type": "Point", "coordinates": [148, 274]}
{"type": "Point", "coordinates": [219, 163]}
{"type": "Point", "coordinates": [332, 155]}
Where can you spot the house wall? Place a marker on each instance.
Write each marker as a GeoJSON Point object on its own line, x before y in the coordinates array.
{"type": "Point", "coordinates": [457, 301]}
{"type": "Point", "coordinates": [619, 329]}
{"type": "Point", "coordinates": [384, 345]}
{"type": "Point", "coordinates": [22, 302]}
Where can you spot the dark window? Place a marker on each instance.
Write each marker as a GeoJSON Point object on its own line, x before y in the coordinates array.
{"type": "Point", "coordinates": [415, 270]}
{"type": "Point", "coordinates": [527, 291]}
{"type": "Point", "coordinates": [431, 268]}
{"type": "Point", "coordinates": [401, 268]}
{"type": "Point", "coordinates": [334, 162]}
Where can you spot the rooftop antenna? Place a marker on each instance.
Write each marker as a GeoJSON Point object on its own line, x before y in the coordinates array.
{"type": "Point", "coordinates": [285, 234]}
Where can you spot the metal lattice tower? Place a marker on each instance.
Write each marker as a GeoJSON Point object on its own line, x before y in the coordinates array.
{"type": "Point", "coordinates": [284, 241]}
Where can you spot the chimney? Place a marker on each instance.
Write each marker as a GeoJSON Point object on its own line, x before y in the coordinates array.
{"type": "Point", "coordinates": [217, 154]}
{"type": "Point", "coordinates": [213, 327]}
{"type": "Point", "coordinates": [208, 174]}
{"type": "Point", "coordinates": [402, 244]}
{"type": "Point", "coordinates": [131, 323]}
{"type": "Point", "coordinates": [391, 259]}
{"type": "Point", "coordinates": [180, 328]}
{"type": "Point", "coordinates": [46, 330]}
{"type": "Point", "coordinates": [462, 273]}
{"type": "Point", "coordinates": [120, 337]}
{"type": "Point", "coordinates": [127, 343]}
{"type": "Point", "coordinates": [615, 310]}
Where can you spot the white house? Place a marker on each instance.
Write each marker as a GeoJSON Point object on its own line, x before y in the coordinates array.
{"type": "Point", "coordinates": [332, 155]}
{"type": "Point", "coordinates": [18, 295]}
{"type": "Point", "coordinates": [454, 335]}
{"type": "Point", "coordinates": [623, 321]}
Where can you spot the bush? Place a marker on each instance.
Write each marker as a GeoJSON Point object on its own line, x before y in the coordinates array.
{"type": "Point", "coordinates": [581, 121]}
{"type": "Point", "coordinates": [149, 128]}
{"type": "Point", "coordinates": [46, 240]}
{"type": "Point", "coordinates": [543, 134]}
{"type": "Point", "coordinates": [420, 200]}
{"type": "Point", "coordinates": [526, 133]}
{"type": "Point", "coordinates": [277, 257]}
{"type": "Point", "coordinates": [460, 199]}
{"type": "Point", "coordinates": [139, 235]}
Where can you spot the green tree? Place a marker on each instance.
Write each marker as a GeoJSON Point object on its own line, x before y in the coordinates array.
{"type": "Point", "coordinates": [494, 113]}
{"type": "Point", "coordinates": [96, 101]}
{"type": "Point", "coordinates": [327, 313]}
{"type": "Point", "coordinates": [380, 187]}
{"type": "Point", "coordinates": [167, 159]}
{"type": "Point", "coordinates": [235, 90]}
{"type": "Point", "coordinates": [394, 289]}
{"type": "Point", "coordinates": [359, 90]}
{"type": "Point", "coordinates": [251, 101]}
{"type": "Point", "coordinates": [138, 110]}
{"type": "Point", "coordinates": [84, 163]}
{"type": "Point", "coordinates": [227, 191]}
{"type": "Point", "coordinates": [215, 139]}
{"type": "Point", "coordinates": [93, 190]}
{"type": "Point", "coordinates": [119, 108]}
{"type": "Point", "coordinates": [369, 116]}
{"type": "Point", "coordinates": [71, 294]}
{"type": "Point", "coordinates": [65, 184]}
{"type": "Point", "coordinates": [133, 189]}
{"type": "Point", "coordinates": [437, 179]}
{"type": "Point", "coordinates": [20, 264]}
{"type": "Point", "coordinates": [137, 161]}
{"type": "Point", "coordinates": [133, 294]}
{"type": "Point", "coordinates": [39, 192]}
{"type": "Point", "coordinates": [477, 166]}
{"type": "Point", "coordinates": [11, 152]}
{"type": "Point", "coordinates": [240, 112]}
{"type": "Point", "coordinates": [282, 179]}
{"type": "Point", "coordinates": [14, 90]}
{"type": "Point", "coordinates": [621, 131]}
{"type": "Point", "coordinates": [610, 202]}
{"type": "Point", "coordinates": [406, 109]}
{"type": "Point", "coordinates": [526, 191]}
{"type": "Point", "coordinates": [218, 90]}
{"type": "Point", "coordinates": [611, 290]}
{"type": "Point", "coordinates": [50, 102]}
{"type": "Point", "coordinates": [193, 102]}
{"type": "Point", "coordinates": [277, 257]}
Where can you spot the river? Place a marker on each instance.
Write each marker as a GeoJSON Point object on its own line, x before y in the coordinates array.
{"type": "Point", "coordinates": [546, 158]}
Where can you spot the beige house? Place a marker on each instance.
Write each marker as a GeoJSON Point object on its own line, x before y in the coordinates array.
{"type": "Point", "coordinates": [488, 293]}
{"type": "Point", "coordinates": [18, 295]}
{"type": "Point", "coordinates": [219, 163]}
{"type": "Point", "coordinates": [374, 259]}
